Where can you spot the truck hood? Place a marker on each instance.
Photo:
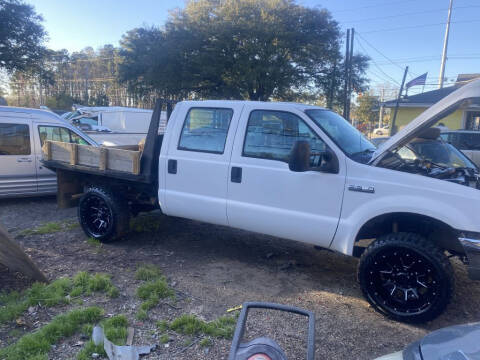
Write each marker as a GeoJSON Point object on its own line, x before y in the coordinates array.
{"type": "Point", "coordinates": [452, 343]}
{"type": "Point", "coordinates": [465, 96]}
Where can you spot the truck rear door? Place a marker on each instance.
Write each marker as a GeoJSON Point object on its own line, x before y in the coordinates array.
{"type": "Point", "coordinates": [196, 165]}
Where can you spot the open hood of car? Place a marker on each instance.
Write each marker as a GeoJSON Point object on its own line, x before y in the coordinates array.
{"type": "Point", "coordinates": [465, 96]}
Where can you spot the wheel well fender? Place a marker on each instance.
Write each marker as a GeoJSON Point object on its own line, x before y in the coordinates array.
{"type": "Point", "coordinates": [437, 231]}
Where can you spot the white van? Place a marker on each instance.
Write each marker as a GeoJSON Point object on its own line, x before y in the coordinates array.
{"type": "Point", "coordinates": [22, 132]}
{"type": "Point", "coordinates": [114, 125]}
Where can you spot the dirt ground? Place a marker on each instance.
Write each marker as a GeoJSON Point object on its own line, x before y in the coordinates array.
{"type": "Point", "coordinates": [214, 268]}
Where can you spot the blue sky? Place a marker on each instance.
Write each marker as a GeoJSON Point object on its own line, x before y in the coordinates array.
{"type": "Point", "coordinates": [393, 33]}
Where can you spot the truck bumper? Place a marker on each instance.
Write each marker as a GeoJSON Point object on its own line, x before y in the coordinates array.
{"type": "Point", "coordinates": [471, 246]}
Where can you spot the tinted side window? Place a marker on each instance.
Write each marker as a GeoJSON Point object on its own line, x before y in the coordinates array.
{"type": "Point", "coordinates": [57, 133]}
{"type": "Point", "coordinates": [468, 141]}
{"type": "Point", "coordinates": [272, 134]}
{"type": "Point", "coordinates": [205, 129]}
{"type": "Point", "coordinates": [14, 139]}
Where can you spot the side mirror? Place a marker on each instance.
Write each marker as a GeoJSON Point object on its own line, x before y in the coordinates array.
{"type": "Point", "coordinates": [300, 157]}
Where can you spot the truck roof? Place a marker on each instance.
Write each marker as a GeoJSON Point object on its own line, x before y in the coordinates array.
{"type": "Point", "coordinates": [224, 103]}
{"type": "Point", "coordinates": [28, 113]}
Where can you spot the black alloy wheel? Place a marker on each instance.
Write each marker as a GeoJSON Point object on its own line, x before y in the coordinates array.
{"type": "Point", "coordinates": [406, 277]}
{"type": "Point", "coordinates": [102, 215]}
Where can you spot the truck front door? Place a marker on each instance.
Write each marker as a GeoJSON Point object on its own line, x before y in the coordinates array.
{"type": "Point", "coordinates": [264, 195]}
{"type": "Point", "coordinates": [196, 165]}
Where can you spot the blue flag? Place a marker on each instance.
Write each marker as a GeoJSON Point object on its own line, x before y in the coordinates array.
{"type": "Point", "coordinates": [417, 81]}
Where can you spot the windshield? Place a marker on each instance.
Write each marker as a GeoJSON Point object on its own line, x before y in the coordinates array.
{"type": "Point", "coordinates": [350, 140]}
{"type": "Point", "coordinates": [440, 153]}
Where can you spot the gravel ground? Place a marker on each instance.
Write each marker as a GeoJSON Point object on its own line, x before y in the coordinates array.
{"type": "Point", "coordinates": [214, 268]}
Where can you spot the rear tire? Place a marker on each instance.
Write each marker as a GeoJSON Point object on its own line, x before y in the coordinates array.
{"type": "Point", "coordinates": [406, 277]}
{"type": "Point", "coordinates": [103, 215]}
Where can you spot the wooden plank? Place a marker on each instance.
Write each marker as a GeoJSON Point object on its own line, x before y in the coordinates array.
{"type": "Point", "coordinates": [47, 150]}
{"type": "Point", "coordinates": [68, 185]}
{"type": "Point", "coordinates": [136, 162]}
{"type": "Point", "coordinates": [88, 155]}
{"type": "Point", "coordinates": [60, 151]}
{"type": "Point", "coordinates": [102, 158]}
{"type": "Point", "coordinates": [103, 161]}
{"type": "Point", "coordinates": [73, 154]}
{"type": "Point", "coordinates": [121, 160]}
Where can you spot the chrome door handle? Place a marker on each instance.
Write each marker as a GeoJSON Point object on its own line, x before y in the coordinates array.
{"type": "Point", "coordinates": [20, 160]}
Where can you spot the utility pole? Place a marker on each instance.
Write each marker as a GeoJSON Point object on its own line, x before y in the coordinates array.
{"type": "Point", "coordinates": [349, 77]}
{"type": "Point", "coordinates": [331, 92]}
{"type": "Point", "coordinates": [392, 128]}
{"type": "Point", "coordinates": [380, 115]}
{"type": "Point", "coordinates": [445, 46]}
{"type": "Point", "coordinates": [347, 58]}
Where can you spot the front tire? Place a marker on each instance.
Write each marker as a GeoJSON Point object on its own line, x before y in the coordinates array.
{"type": "Point", "coordinates": [406, 277]}
{"type": "Point", "coordinates": [103, 215]}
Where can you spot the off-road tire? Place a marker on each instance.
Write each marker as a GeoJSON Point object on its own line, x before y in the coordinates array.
{"type": "Point", "coordinates": [424, 257]}
{"type": "Point", "coordinates": [113, 206]}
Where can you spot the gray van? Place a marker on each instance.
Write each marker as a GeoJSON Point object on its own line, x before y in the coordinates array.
{"type": "Point", "coordinates": [466, 140]}
{"type": "Point", "coordinates": [22, 132]}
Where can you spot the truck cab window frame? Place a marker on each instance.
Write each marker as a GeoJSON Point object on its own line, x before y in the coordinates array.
{"type": "Point", "coordinates": [278, 131]}
{"type": "Point", "coordinates": [205, 135]}
{"type": "Point", "coordinates": [15, 139]}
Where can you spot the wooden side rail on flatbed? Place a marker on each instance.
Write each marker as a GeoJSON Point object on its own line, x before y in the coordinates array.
{"type": "Point", "coordinates": [97, 158]}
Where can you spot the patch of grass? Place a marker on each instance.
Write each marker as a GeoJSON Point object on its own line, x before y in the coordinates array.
{"type": "Point", "coordinates": [152, 290]}
{"type": "Point", "coordinates": [15, 333]}
{"type": "Point", "coordinates": [60, 291]}
{"type": "Point", "coordinates": [51, 227]}
{"type": "Point", "coordinates": [94, 242]}
{"type": "Point", "coordinates": [222, 327]}
{"type": "Point", "coordinates": [162, 325]}
{"type": "Point", "coordinates": [205, 342]}
{"type": "Point", "coordinates": [46, 228]}
{"type": "Point", "coordinates": [142, 315]}
{"type": "Point", "coordinates": [141, 224]}
{"type": "Point", "coordinates": [84, 283]}
{"type": "Point", "coordinates": [148, 272]}
{"type": "Point", "coordinates": [115, 330]}
{"type": "Point", "coordinates": [37, 345]}
{"type": "Point", "coordinates": [164, 339]}
{"type": "Point", "coordinates": [88, 349]}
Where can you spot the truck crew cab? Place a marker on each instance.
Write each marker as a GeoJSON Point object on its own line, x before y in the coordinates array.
{"type": "Point", "coordinates": [303, 173]}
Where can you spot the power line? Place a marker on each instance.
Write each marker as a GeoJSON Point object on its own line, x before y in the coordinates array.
{"type": "Point", "coordinates": [409, 14]}
{"type": "Point", "coordinates": [376, 5]}
{"type": "Point", "coordinates": [382, 54]}
{"type": "Point", "coordinates": [375, 63]}
{"type": "Point", "coordinates": [421, 26]}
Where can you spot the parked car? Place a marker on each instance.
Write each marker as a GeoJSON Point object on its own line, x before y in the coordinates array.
{"type": "Point", "coordinates": [382, 130]}
{"type": "Point", "coordinates": [113, 126]}
{"type": "Point", "coordinates": [303, 173]}
{"type": "Point", "coordinates": [459, 342]}
{"type": "Point", "coordinates": [22, 133]}
{"type": "Point", "coordinates": [466, 140]}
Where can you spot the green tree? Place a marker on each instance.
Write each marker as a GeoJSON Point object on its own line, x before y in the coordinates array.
{"type": "Point", "coordinates": [21, 37]}
{"type": "Point", "coordinates": [366, 110]}
{"type": "Point", "coordinates": [238, 49]}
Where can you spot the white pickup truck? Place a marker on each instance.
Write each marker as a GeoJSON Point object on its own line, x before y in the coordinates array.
{"type": "Point", "coordinates": [303, 173]}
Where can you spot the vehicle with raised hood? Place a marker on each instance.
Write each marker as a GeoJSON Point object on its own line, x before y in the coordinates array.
{"type": "Point", "coordinates": [298, 172]}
